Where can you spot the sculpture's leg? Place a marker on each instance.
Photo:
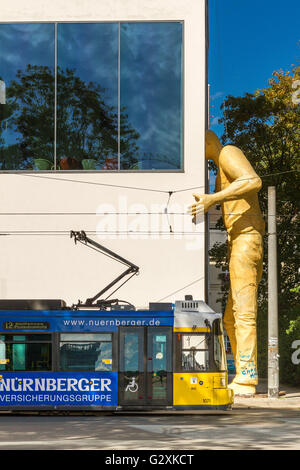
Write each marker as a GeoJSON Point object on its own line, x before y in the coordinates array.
{"type": "Point", "coordinates": [245, 268]}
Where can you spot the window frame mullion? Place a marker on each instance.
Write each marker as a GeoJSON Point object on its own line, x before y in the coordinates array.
{"type": "Point", "coordinates": [119, 96]}
{"type": "Point", "coordinates": [55, 95]}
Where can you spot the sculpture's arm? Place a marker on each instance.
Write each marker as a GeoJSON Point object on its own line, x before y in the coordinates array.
{"type": "Point", "coordinates": [238, 169]}
{"type": "Point", "coordinates": [244, 181]}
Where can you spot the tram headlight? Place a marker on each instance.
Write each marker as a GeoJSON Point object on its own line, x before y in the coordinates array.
{"type": "Point", "coordinates": [220, 382]}
{"type": "Point", "coordinates": [223, 381]}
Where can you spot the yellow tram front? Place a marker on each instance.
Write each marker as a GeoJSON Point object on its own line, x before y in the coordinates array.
{"type": "Point", "coordinates": [200, 369]}
{"type": "Point", "coordinates": [177, 362]}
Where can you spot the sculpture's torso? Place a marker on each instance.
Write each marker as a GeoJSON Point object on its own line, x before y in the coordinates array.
{"type": "Point", "coordinates": [242, 215]}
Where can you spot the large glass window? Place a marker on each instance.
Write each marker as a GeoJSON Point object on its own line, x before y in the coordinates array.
{"type": "Point", "coordinates": [131, 352]}
{"type": "Point", "coordinates": [151, 96]}
{"type": "Point", "coordinates": [86, 352]}
{"type": "Point", "coordinates": [219, 347]}
{"type": "Point", "coordinates": [27, 96]}
{"type": "Point", "coordinates": [87, 96]}
{"type": "Point", "coordinates": [91, 96]}
{"type": "Point", "coordinates": [25, 352]}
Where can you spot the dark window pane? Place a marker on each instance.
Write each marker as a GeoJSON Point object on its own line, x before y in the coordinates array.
{"type": "Point", "coordinates": [159, 352]}
{"type": "Point", "coordinates": [32, 337]}
{"type": "Point", "coordinates": [87, 96]}
{"type": "Point", "coordinates": [19, 357]}
{"type": "Point", "coordinates": [219, 348]}
{"type": "Point", "coordinates": [25, 357]}
{"type": "Point", "coordinates": [159, 386]}
{"type": "Point", "coordinates": [3, 359]}
{"type": "Point", "coordinates": [131, 352]}
{"type": "Point", "coordinates": [151, 95]}
{"type": "Point", "coordinates": [25, 338]}
{"type": "Point", "coordinates": [27, 96]}
{"type": "Point", "coordinates": [87, 356]}
{"type": "Point", "coordinates": [71, 337]}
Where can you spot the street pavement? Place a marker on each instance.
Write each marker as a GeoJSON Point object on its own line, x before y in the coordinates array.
{"type": "Point", "coordinates": [258, 423]}
{"type": "Point", "coordinates": [289, 398]}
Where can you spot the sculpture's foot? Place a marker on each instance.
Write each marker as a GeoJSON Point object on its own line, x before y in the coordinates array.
{"type": "Point", "coordinates": [243, 389]}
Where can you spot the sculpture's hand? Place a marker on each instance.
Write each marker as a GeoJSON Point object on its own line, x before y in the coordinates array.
{"type": "Point", "coordinates": [203, 203]}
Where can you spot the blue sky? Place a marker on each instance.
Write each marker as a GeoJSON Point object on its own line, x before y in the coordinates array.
{"type": "Point", "coordinates": [92, 50]}
{"type": "Point", "coordinates": [248, 40]}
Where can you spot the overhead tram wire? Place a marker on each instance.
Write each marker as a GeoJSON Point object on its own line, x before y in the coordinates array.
{"type": "Point", "coordinates": [94, 183]}
{"type": "Point", "coordinates": [97, 214]}
{"type": "Point", "coordinates": [169, 192]}
{"type": "Point", "coordinates": [109, 232]}
{"type": "Point", "coordinates": [182, 288]}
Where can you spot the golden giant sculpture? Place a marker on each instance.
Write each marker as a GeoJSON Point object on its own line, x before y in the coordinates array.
{"type": "Point", "coordinates": [237, 186]}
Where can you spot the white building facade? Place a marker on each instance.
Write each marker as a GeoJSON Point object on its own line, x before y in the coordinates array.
{"type": "Point", "coordinates": [103, 118]}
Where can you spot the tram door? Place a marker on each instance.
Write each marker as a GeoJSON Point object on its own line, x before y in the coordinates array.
{"type": "Point", "coordinates": [145, 376]}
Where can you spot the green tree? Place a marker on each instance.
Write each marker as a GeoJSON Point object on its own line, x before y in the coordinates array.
{"type": "Point", "coordinates": [266, 126]}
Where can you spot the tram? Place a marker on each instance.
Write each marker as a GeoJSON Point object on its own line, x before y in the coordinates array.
{"type": "Point", "coordinates": [107, 355]}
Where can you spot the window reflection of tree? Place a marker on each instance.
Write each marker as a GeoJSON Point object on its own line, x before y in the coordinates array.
{"type": "Point", "coordinates": [87, 127]}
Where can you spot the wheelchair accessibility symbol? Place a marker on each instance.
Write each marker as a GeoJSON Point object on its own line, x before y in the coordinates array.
{"type": "Point", "coordinates": [132, 386]}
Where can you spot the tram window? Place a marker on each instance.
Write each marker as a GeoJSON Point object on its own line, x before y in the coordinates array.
{"type": "Point", "coordinates": [219, 348]}
{"type": "Point", "coordinates": [194, 342]}
{"type": "Point", "coordinates": [131, 349]}
{"type": "Point", "coordinates": [194, 354]}
{"type": "Point", "coordinates": [25, 352]}
{"type": "Point", "coordinates": [86, 352]}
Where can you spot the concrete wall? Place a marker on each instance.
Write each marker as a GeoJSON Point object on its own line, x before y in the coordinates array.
{"type": "Point", "coordinates": [51, 266]}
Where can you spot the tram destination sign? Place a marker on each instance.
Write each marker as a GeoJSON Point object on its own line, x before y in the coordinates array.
{"type": "Point", "coordinates": [25, 325]}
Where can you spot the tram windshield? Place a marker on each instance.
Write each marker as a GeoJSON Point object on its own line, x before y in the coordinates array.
{"type": "Point", "coordinates": [219, 347]}
{"type": "Point", "coordinates": [195, 354]}
{"type": "Point", "coordinates": [201, 352]}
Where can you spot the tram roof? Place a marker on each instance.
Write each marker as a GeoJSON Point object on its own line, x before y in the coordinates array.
{"type": "Point", "coordinates": [188, 314]}
{"type": "Point", "coordinates": [193, 314]}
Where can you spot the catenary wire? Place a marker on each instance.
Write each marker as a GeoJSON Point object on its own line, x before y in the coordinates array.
{"type": "Point", "coordinates": [145, 189]}
{"type": "Point", "coordinates": [116, 232]}
{"type": "Point", "coordinates": [96, 214]}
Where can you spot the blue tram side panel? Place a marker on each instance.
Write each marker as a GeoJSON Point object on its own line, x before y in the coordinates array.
{"type": "Point", "coordinates": [66, 389]}
{"type": "Point", "coordinates": [59, 389]}
{"type": "Point", "coordinates": [81, 321]}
